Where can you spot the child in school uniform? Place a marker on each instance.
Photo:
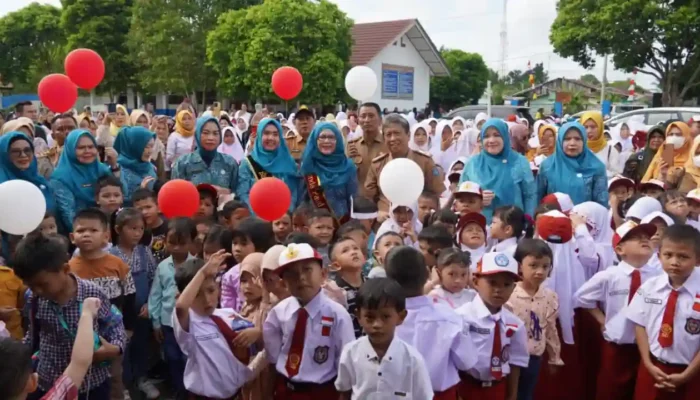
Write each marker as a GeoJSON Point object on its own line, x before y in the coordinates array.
{"type": "Point", "coordinates": [321, 227]}
{"type": "Point", "coordinates": [537, 306]}
{"type": "Point", "coordinates": [275, 289]}
{"type": "Point", "coordinates": [453, 272]}
{"type": "Point", "coordinates": [471, 236]}
{"type": "Point", "coordinates": [614, 288]}
{"type": "Point", "coordinates": [380, 365]}
{"type": "Point", "coordinates": [304, 334]}
{"type": "Point", "coordinates": [662, 221]}
{"type": "Point", "coordinates": [109, 195]}
{"type": "Point", "coordinates": [508, 225]}
{"type": "Point", "coordinates": [347, 260]}
{"type": "Point", "coordinates": [468, 198]}
{"type": "Point", "coordinates": [666, 314]}
{"type": "Point", "coordinates": [387, 241]}
{"type": "Point", "coordinates": [354, 230]}
{"type": "Point", "coordinates": [404, 221]}
{"type": "Point", "coordinates": [427, 321]}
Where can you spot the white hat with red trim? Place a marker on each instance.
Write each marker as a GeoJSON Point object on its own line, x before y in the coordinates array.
{"type": "Point", "coordinates": [297, 252]}
{"type": "Point", "coordinates": [629, 228]}
{"type": "Point", "coordinates": [470, 187]}
{"type": "Point", "coordinates": [694, 195]}
{"type": "Point", "coordinates": [561, 200]}
{"type": "Point", "coordinates": [619, 180]}
{"type": "Point", "coordinates": [652, 183]}
{"type": "Point", "coordinates": [496, 263]}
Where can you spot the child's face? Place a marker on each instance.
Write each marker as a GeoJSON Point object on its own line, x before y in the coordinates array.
{"type": "Point", "coordinates": [361, 238]}
{"type": "Point", "coordinates": [282, 228]}
{"type": "Point", "coordinates": [424, 206]}
{"type": "Point", "coordinates": [636, 248]}
{"type": "Point", "coordinates": [304, 279]}
{"type": "Point", "coordinates": [694, 207]}
{"type": "Point", "coordinates": [206, 207]}
{"type": "Point", "coordinates": [535, 270]}
{"type": "Point", "coordinates": [110, 199]}
{"type": "Point", "coordinates": [250, 287]}
{"type": "Point", "coordinates": [402, 215]}
{"type": "Point", "coordinates": [132, 232]}
{"type": "Point", "coordinates": [274, 284]}
{"type": "Point", "coordinates": [454, 277]}
{"type": "Point", "coordinates": [208, 297]}
{"type": "Point", "coordinates": [428, 253]}
{"type": "Point", "coordinates": [472, 236]}
{"type": "Point", "coordinates": [621, 192]}
{"type": "Point", "coordinates": [660, 230]}
{"type": "Point", "coordinates": [50, 285]}
{"type": "Point", "coordinates": [653, 192]}
{"type": "Point", "coordinates": [494, 290]}
{"type": "Point", "coordinates": [322, 230]}
{"type": "Point", "coordinates": [237, 216]}
{"type": "Point", "coordinates": [150, 211]}
{"type": "Point", "coordinates": [348, 256]}
{"type": "Point", "coordinates": [379, 324]}
{"type": "Point", "coordinates": [499, 230]}
{"type": "Point", "coordinates": [466, 203]}
{"type": "Point", "coordinates": [299, 223]}
{"type": "Point", "coordinates": [678, 207]}
{"type": "Point", "coordinates": [179, 249]}
{"type": "Point", "coordinates": [89, 235]}
{"type": "Point", "coordinates": [677, 259]}
{"type": "Point", "coordinates": [241, 248]}
{"type": "Point", "coordinates": [387, 243]}
{"type": "Point", "coordinates": [48, 226]}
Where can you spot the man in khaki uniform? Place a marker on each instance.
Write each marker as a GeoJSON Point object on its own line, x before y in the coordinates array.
{"type": "Point", "coordinates": [296, 141]}
{"type": "Point", "coordinates": [364, 149]}
{"type": "Point", "coordinates": [397, 134]}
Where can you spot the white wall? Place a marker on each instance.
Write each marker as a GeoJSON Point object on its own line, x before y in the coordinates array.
{"type": "Point", "coordinates": [406, 57]}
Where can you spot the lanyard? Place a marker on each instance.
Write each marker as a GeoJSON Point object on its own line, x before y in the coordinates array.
{"type": "Point", "coordinates": [61, 320]}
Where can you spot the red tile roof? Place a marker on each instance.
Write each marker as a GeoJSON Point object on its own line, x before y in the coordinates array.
{"type": "Point", "coordinates": [369, 39]}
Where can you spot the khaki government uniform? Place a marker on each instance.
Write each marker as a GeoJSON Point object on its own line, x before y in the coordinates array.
{"type": "Point", "coordinates": [296, 145]}
{"type": "Point", "coordinates": [367, 152]}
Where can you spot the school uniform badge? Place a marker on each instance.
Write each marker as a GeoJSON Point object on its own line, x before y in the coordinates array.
{"type": "Point", "coordinates": [326, 324]}
{"type": "Point", "coordinates": [321, 354]}
{"type": "Point", "coordinates": [505, 353]}
{"type": "Point", "coordinates": [692, 326]}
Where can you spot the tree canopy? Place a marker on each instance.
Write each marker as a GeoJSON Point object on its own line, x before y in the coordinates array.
{"type": "Point", "coordinates": [658, 37]}
{"type": "Point", "coordinates": [248, 45]}
{"type": "Point", "coordinates": [466, 83]}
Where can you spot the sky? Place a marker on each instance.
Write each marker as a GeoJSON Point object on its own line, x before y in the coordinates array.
{"type": "Point", "coordinates": [470, 25]}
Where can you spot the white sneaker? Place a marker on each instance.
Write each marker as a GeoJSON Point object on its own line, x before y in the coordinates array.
{"type": "Point", "coordinates": [149, 389]}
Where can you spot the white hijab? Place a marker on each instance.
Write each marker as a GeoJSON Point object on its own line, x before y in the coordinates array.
{"type": "Point", "coordinates": [480, 117]}
{"type": "Point", "coordinates": [643, 207]}
{"type": "Point", "coordinates": [598, 219]}
{"type": "Point", "coordinates": [235, 150]}
{"type": "Point", "coordinates": [413, 145]}
{"type": "Point", "coordinates": [392, 225]}
{"type": "Point", "coordinates": [341, 116]}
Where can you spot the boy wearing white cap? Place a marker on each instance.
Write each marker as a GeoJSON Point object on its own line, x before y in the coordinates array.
{"type": "Point", "coordinates": [305, 333]}
{"type": "Point", "coordinates": [499, 337]}
{"type": "Point", "coordinates": [469, 198]}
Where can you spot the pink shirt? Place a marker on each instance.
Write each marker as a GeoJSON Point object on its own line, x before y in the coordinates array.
{"type": "Point", "coordinates": [62, 389]}
{"type": "Point", "coordinates": [230, 287]}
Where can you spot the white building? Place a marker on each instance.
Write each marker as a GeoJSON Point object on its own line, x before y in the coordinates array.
{"type": "Point", "coordinates": [403, 57]}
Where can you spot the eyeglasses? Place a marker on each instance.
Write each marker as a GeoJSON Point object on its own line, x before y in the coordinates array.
{"type": "Point", "coordinates": [327, 138]}
{"type": "Point", "coordinates": [27, 151]}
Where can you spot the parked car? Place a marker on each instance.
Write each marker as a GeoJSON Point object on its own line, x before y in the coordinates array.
{"type": "Point", "coordinates": [470, 112]}
{"type": "Point", "coordinates": [654, 116]}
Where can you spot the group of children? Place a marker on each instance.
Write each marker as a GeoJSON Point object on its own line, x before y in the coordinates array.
{"type": "Point", "coordinates": [575, 302]}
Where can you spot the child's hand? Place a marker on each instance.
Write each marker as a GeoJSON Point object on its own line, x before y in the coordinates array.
{"type": "Point", "coordinates": [91, 306]}
{"type": "Point", "coordinates": [144, 311]}
{"type": "Point", "coordinates": [488, 197]}
{"type": "Point", "coordinates": [215, 263]}
{"type": "Point", "coordinates": [6, 313]}
{"type": "Point", "coordinates": [158, 334]}
{"type": "Point", "coordinates": [247, 337]}
{"type": "Point", "coordinates": [659, 376]}
{"type": "Point", "coordinates": [676, 380]}
{"type": "Point", "coordinates": [577, 220]}
{"type": "Point", "coordinates": [107, 351]}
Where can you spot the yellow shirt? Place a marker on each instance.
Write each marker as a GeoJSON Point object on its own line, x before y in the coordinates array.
{"type": "Point", "coordinates": [12, 295]}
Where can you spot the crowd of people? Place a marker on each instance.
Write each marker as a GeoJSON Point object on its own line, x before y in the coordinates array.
{"type": "Point", "coordinates": [546, 260]}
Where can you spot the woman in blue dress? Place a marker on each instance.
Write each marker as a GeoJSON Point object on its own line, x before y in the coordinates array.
{"type": "Point", "coordinates": [206, 164]}
{"type": "Point", "coordinates": [502, 171]}
{"type": "Point", "coordinates": [134, 145]}
{"type": "Point", "coordinates": [270, 158]}
{"type": "Point", "coordinates": [330, 177]}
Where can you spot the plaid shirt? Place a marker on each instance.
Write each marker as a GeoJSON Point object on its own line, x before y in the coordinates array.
{"type": "Point", "coordinates": [56, 344]}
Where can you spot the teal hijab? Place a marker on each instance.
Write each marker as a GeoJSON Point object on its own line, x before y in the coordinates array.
{"type": "Point", "coordinates": [130, 144]}
{"type": "Point", "coordinates": [78, 177]}
{"type": "Point", "coordinates": [335, 169]}
{"type": "Point", "coordinates": [564, 174]}
{"type": "Point", "coordinates": [494, 171]}
{"type": "Point", "coordinates": [207, 155]}
{"type": "Point", "coordinates": [278, 161]}
{"type": "Point", "coordinates": [8, 170]}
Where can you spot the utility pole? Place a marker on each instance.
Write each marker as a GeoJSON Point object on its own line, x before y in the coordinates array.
{"type": "Point", "coordinates": [605, 80]}
{"type": "Point", "coordinates": [504, 39]}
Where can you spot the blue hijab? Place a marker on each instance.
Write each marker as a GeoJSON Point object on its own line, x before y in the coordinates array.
{"type": "Point", "coordinates": [130, 144]}
{"type": "Point", "coordinates": [564, 173]}
{"type": "Point", "coordinates": [78, 177]}
{"type": "Point", "coordinates": [207, 155]}
{"type": "Point", "coordinates": [8, 170]}
{"type": "Point", "coordinates": [278, 161]}
{"type": "Point", "coordinates": [493, 172]}
{"type": "Point", "coordinates": [335, 169]}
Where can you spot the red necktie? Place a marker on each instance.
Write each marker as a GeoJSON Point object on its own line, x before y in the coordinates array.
{"type": "Point", "coordinates": [666, 334]}
{"type": "Point", "coordinates": [496, 367]}
{"type": "Point", "coordinates": [296, 350]}
{"type": "Point", "coordinates": [634, 285]}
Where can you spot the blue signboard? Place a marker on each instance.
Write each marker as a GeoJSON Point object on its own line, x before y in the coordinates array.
{"type": "Point", "coordinates": [390, 83]}
{"type": "Point", "coordinates": [406, 84]}
{"type": "Point", "coordinates": [397, 82]}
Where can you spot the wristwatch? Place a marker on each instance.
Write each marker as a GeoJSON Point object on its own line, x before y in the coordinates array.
{"type": "Point", "coordinates": [117, 168]}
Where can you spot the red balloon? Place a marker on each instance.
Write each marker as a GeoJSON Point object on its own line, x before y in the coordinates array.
{"type": "Point", "coordinates": [58, 93]}
{"type": "Point", "coordinates": [85, 68]}
{"type": "Point", "coordinates": [287, 82]}
{"type": "Point", "coordinates": [178, 198]}
{"type": "Point", "coordinates": [270, 198]}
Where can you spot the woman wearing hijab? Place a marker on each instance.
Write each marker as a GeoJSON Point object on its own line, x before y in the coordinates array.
{"type": "Point", "coordinates": [75, 177]}
{"type": "Point", "coordinates": [502, 173]}
{"type": "Point", "coordinates": [269, 157]}
{"type": "Point", "coordinates": [111, 124]}
{"type": "Point", "coordinates": [180, 142]}
{"type": "Point", "coordinates": [206, 164]}
{"type": "Point", "coordinates": [545, 144]}
{"type": "Point", "coordinates": [135, 145]}
{"type": "Point", "coordinates": [159, 126]}
{"type": "Point", "coordinates": [17, 161]}
{"type": "Point", "coordinates": [598, 143]}
{"type": "Point", "coordinates": [330, 176]}
{"type": "Point", "coordinates": [573, 169]}
{"type": "Point", "coordinates": [140, 118]}
{"type": "Point", "coordinates": [231, 145]}
{"type": "Point", "coordinates": [686, 178]}
{"type": "Point", "coordinates": [678, 136]}
{"type": "Point", "coordinates": [242, 131]}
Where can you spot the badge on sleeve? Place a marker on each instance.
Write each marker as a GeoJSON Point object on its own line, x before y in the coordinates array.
{"type": "Point", "coordinates": [511, 329]}
{"type": "Point", "coordinates": [505, 353]}
{"type": "Point", "coordinates": [696, 303]}
{"type": "Point", "coordinates": [326, 324]}
{"type": "Point", "coordinates": [692, 326]}
{"type": "Point", "coordinates": [321, 354]}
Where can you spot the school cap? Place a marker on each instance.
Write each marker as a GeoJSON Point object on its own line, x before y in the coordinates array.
{"type": "Point", "coordinates": [561, 200]}
{"type": "Point", "coordinates": [554, 227]}
{"type": "Point", "coordinates": [297, 252]}
{"type": "Point", "coordinates": [630, 228]}
{"type": "Point", "coordinates": [694, 195]}
{"type": "Point", "coordinates": [303, 109]}
{"type": "Point", "coordinates": [497, 263]}
{"type": "Point", "coordinates": [471, 188]}
{"type": "Point", "coordinates": [658, 214]}
{"type": "Point", "coordinates": [205, 187]}
{"type": "Point", "coordinates": [695, 118]}
{"type": "Point", "coordinates": [652, 184]}
{"type": "Point", "coordinates": [271, 259]}
{"type": "Point", "coordinates": [468, 218]}
{"type": "Point", "coordinates": [618, 181]}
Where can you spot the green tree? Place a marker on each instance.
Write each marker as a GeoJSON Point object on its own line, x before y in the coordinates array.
{"type": "Point", "coordinates": [658, 36]}
{"type": "Point", "coordinates": [103, 26]}
{"type": "Point", "coordinates": [590, 79]}
{"type": "Point", "coordinates": [466, 83]}
{"type": "Point", "coordinates": [248, 45]}
{"type": "Point", "coordinates": [31, 42]}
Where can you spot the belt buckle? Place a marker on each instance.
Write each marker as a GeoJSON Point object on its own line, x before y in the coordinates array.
{"type": "Point", "coordinates": [290, 386]}
{"type": "Point", "coordinates": [486, 384]}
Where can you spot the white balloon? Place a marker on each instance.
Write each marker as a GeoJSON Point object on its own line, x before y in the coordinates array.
{"type": "Point", "coordinates": [22, 207]}
{"type": "Point", "coordinates": [361, 83]}
{"type": "Point", "coordinates": [402, 181]}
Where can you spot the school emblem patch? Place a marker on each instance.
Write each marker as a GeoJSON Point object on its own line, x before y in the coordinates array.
{"type": "Point", "coordinates": [666, 331]}
{"type": "Point", "coordinates": [505, 353]}
{"type": "Point", "coordinates": [321, 354]}
{"type": "Point", "coordinates": [501, 260]}
{"type": "Point", "coordinates": [692, 326]}
{"type": "Point", "coordinates": [495, 362]}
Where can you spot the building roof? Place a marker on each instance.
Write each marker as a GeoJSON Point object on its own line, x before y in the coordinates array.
{"type": "Point", "coordinates": [578, 82]}
{"type": "Point", "coordinates": [371, 38]}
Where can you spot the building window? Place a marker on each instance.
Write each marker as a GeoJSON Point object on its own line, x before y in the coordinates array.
{"type": "Point", "coordinates": [397, 82]}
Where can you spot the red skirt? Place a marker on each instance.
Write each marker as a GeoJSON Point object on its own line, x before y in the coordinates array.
{"type": "Point", "coordinates": [449, 394]}
{"type": "Point", "coordinates": [645, 390]}
{"type": "Point", "coordinates": [288, 390]}
{"type": "Point", "coordinates": [470, 388]}
{"type": "Point", "coordinates": [618, 371]}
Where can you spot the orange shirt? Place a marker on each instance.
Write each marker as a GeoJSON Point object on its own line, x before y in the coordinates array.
{"type": "Point", "coordinates": [12, 295]}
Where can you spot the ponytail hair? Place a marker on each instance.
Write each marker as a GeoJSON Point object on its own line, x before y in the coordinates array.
{"type": "Point", "coordinates": [120, 218]}
{"type": "Point", "coordinates": [520, 222]}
